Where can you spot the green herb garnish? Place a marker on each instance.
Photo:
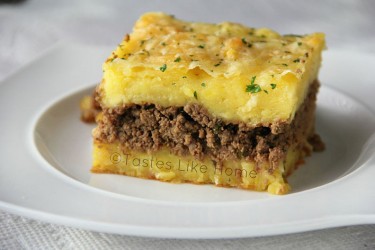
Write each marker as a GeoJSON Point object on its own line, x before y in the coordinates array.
{"type": "Point", "coordinates": [178, 59]}
{"type": "Point", "coordinates": [163, 68]}
{"type": "Point", "coordinates": [217, 127]}
{"type": "Point", "coordinates": [253, 79]}
{"type": "Point", "coordinates": [299, 43]}
{"type": "Point", "coordinates": [293, 35]}
{"type": "Point", "coordinates": [273, 85]}
{"type": "Point", "coordinates": [253, 88]}
{"type": "Point", "coordinates": [249, 45]}
{"type": "Point", "coordinates": [144, 52]}
{"type": "Point", "coordinates": [203, 84]}
{"type": "Point", "coordinates": [201, 46]}
{"type": "Point", "coordinates": [296, 61]}
{"type": "Point", "coordinates": [195, 95]}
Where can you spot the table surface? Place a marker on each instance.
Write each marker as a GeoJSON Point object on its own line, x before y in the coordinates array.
{"type": "Point", "coordinates": [30, 27]}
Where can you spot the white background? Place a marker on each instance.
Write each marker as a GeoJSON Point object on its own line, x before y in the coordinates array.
{"type": "Point", "coordinates": [29, 28]}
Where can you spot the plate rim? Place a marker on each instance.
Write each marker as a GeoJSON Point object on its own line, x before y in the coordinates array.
{"type": "Point", "coordinates": [160, 232]}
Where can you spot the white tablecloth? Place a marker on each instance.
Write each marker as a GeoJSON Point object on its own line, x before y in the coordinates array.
{"type": "Point", "coordinates": [29, 28]}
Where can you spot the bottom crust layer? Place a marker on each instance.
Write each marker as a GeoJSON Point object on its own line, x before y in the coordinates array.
{"type": "Point", "coordinates": [164, 166]}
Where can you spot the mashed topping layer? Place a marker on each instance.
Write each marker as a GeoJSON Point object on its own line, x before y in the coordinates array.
{"type": "Point", "coordinates": [236, 73]}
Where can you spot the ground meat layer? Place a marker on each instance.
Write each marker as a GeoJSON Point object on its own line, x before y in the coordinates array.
{"type": "Point", "coordinates": [191, 130]}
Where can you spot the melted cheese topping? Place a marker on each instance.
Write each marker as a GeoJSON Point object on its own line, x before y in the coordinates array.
{"type": "Point", "coordinates": [237, 73]}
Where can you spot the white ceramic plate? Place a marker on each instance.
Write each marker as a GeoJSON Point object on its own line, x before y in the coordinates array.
{"type": "Point", "coordinates": [45, 161]}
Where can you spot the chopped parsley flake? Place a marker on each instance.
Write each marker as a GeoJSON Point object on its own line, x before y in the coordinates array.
{"type": "Point", "coordinates": [203, 84]}
{"type": "Point", "coordinates": [284, 64]}
{"type": "Point", "coordinates": [296, 61]}
{"type": "Point", "coordinates": [184, 77]}
{"type": "Point", "coordinates": [218, 126]}
{"type": "Point", "coordinates": [201, 46]}
{"type": "Point", "coordinates": [195, 95]}
{"type": "Point", "coordinates": [249, 45]}
{"type": "Point", "coordinates": [253, 88]}
{"type": "Point", "coordinates": [299, 43]}
{"type": "Point", "coordinates": [253, 79]}
{"type": "Point", "coordinates": [145, 52]}
{"type": "Point", "coordinates": [273, 85]}
{"type": "Point", "coordinates": [163, 68]}
{"type": "Point", "coordinates": [143, 42]}
{"type": "Point", "coordinates": [265, 91]}
{"type": "Point", "coordinates": [217, 64]}
{"type": "Point", "coordinates": [178, 59]}
{"type": "Point", "coordinates": [293, 35]}
{"type": "Point", "coordinates": [163, 43]}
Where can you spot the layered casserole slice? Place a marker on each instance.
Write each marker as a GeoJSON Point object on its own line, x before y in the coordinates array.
{"type": "Point", "coordinates": [208, 103]}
